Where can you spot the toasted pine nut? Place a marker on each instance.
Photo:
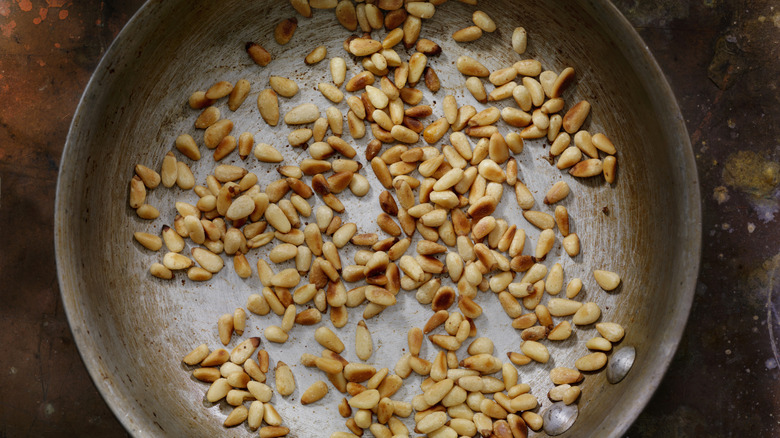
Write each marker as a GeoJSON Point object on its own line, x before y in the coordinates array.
{"type": "Point", "coordinates": [367, 399]}
{"type": "Point", "coordinates": [216, 132]}
{"type": "Point", "coordinates": [477, 89]}
{"type": "Point", "coordinates": [519, 40]}
{"type": "Point", "coordinates": [219, 90]}
{"type": "Point", "coordinates": [302, 114]}
{"type": "Point", "coordinates": [471, 67]}
{"type": "Point", "coordinates": [610, 168]}
{"type": "Point", "coordinates": [544, 244]}
{"type": "Point", "coordinates": [591, 362]}
{"type": "Point", "coordinates": [283, 86]}
{"type": "Point", "coordinates": [467, 34]}
{"type": "Point", "coordinates": [576, 116]}
{"type": "Point", "coordinates": [411, 28]}
{"type": "Point", "coordinates": [198, 100]}
{"type": "Point", "coordinates": [258, 54]}
{"type": "Point", "coordinates": [268, 104]}
{"type": "Point", "coordinates": [314, 393]}
{"type": "Point", "coordinates": [285, 30]}
{"type": "Point", "coordinates": [272, 417]}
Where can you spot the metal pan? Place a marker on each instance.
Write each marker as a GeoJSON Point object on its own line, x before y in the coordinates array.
{"type": "Point", "coordinates": [133, 329]}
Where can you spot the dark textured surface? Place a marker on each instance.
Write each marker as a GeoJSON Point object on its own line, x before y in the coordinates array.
{"type": "Point", "coordinates": [721, 59]}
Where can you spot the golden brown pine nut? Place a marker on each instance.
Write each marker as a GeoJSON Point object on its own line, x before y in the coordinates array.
{"type": "Point", "coordinates": [471, 67]}
{"type": "Point", "coordinates": [258, 54]}
{"type": "Point", "coordinates": [268, 104]}
{"type": "Point", "coordinates": [285, 30]}
{"type": "Point", "coordinates": [467, 34]}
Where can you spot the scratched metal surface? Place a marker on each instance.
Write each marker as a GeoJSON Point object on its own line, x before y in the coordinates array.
{"type": "Point", "coordinates": [129, 326]}
{"type": "Point", "coordinates": [725, 78]}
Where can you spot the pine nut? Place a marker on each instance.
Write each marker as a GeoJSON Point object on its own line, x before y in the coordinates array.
{"type": "Point", "coordinates": [423, 10]}
{"type": "Point", "coordinates": [471, 67]}
{"type": "Point", "coordinates": [258, 54]}
{"type": "Point", "coordinates": [467, 34]}
{"type": "Point", "coordinates": [539, 219]}
{"type": "Point", "coordinates": [283, 86]}
{"type": "Point", "coordinates": [477, 89]}
{"type": "Point", "coordinates": [274, 431]}
{"type": "Point", "coordinates": [328, 339]}
{"type": "Point", "coordinates": [275, 334]}
{"type": "Point", "coordinates": [272, 417]}
{"type": "Point", "coordinates": [503, 92]}
{"type": "Point", "coordinates": [591, 362]}
{"type": "Point", "coordinates": [287, 278]}
{"type": "Point", "coordinates": [544, 244]}
{"type": "Point", "coordinates": [547, 78]}
{"type": "Point", "coordinates": [411, 28]}
{"type": "Point", "coordinates": [314, 393]}
{"type": "Point", "coordinates": [606, 279]}
{"type": "Point", "coordinates": [587, 314]}
{"type": "Point", "coordinates": [316, 55]}
{"type": "Point", "coordinates": [198, 100]}
{"type": "Point", "coordinates": [285, 30]}
{"type": "Point", "coordinates": [284, 379]}
{"type": "Point", "coordinates": [175, 262]}
{"type": "Point", "coordinates": [535, 351]}
{"type": "Point", "coordinates": [524, 402]}
{"type": "Point", "coordinates": [599, 343]}
{"type": "Point", "coordinates": [519, 40]}
{"type": "Point", "coordinates": [216, 132]}
{"type": "Point", "coordinates": [302, 114]}
{"type": "Point", "coordinates": [187, 146]}
{"type": "Point", "coordinates": [268, 105]}
{"type": "Point", "coordinates": [569, 158]}
{"type": "Point", "coordinates": [436, 130]}
{"type": "Point", "coordinates": [576, 116]}
{"type": "Point", "coordinates": [584, 141]}
{"type": "Point", "coordinates": [219, 90]}
{"type": "Point", "coordinates": [611, 331]}
{"type": "Point", "coordinates": [610, 168]}
{"type": "Point", "coordinates": [148, 241]}
{"type": "Point", "coordinates": [160, 271]}
{"type": "Point", "coordinates": [367, 399]}
{"type": "Point", "coordinates": [604, 144]}
{"type": "Point", "coordinates": [516, 117]}
{"type": "Point", "coordinates": [363, 344]}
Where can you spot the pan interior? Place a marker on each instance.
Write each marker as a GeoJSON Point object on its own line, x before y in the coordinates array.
{"type": "Point", "coordinates": [133, 329]}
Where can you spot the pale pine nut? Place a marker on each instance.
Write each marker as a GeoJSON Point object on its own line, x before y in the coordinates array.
{"type": "Point", "coordinates": [611, 331]}
{"type": "Point", "coordinates": [363, 344]}
{"type": "Point", "coordinates": [275, 334]}
{"type": "Point", "coordinates": [519, 40]}
{"type": "Point", "coordinates": [606, 279]}
{"type": "Point", "coordinates": [535, 351]}
{"type": "Point", "coordinates": [587, 314]}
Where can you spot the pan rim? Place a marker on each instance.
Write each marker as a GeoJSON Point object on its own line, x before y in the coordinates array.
{"type": "Point", "coordinates": [135, 422]}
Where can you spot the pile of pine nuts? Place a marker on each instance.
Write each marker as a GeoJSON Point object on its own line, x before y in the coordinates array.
{"type": "Point", "coordinates": [460, 190]}
{"type": "Point", "coordinates": [237, 378]}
